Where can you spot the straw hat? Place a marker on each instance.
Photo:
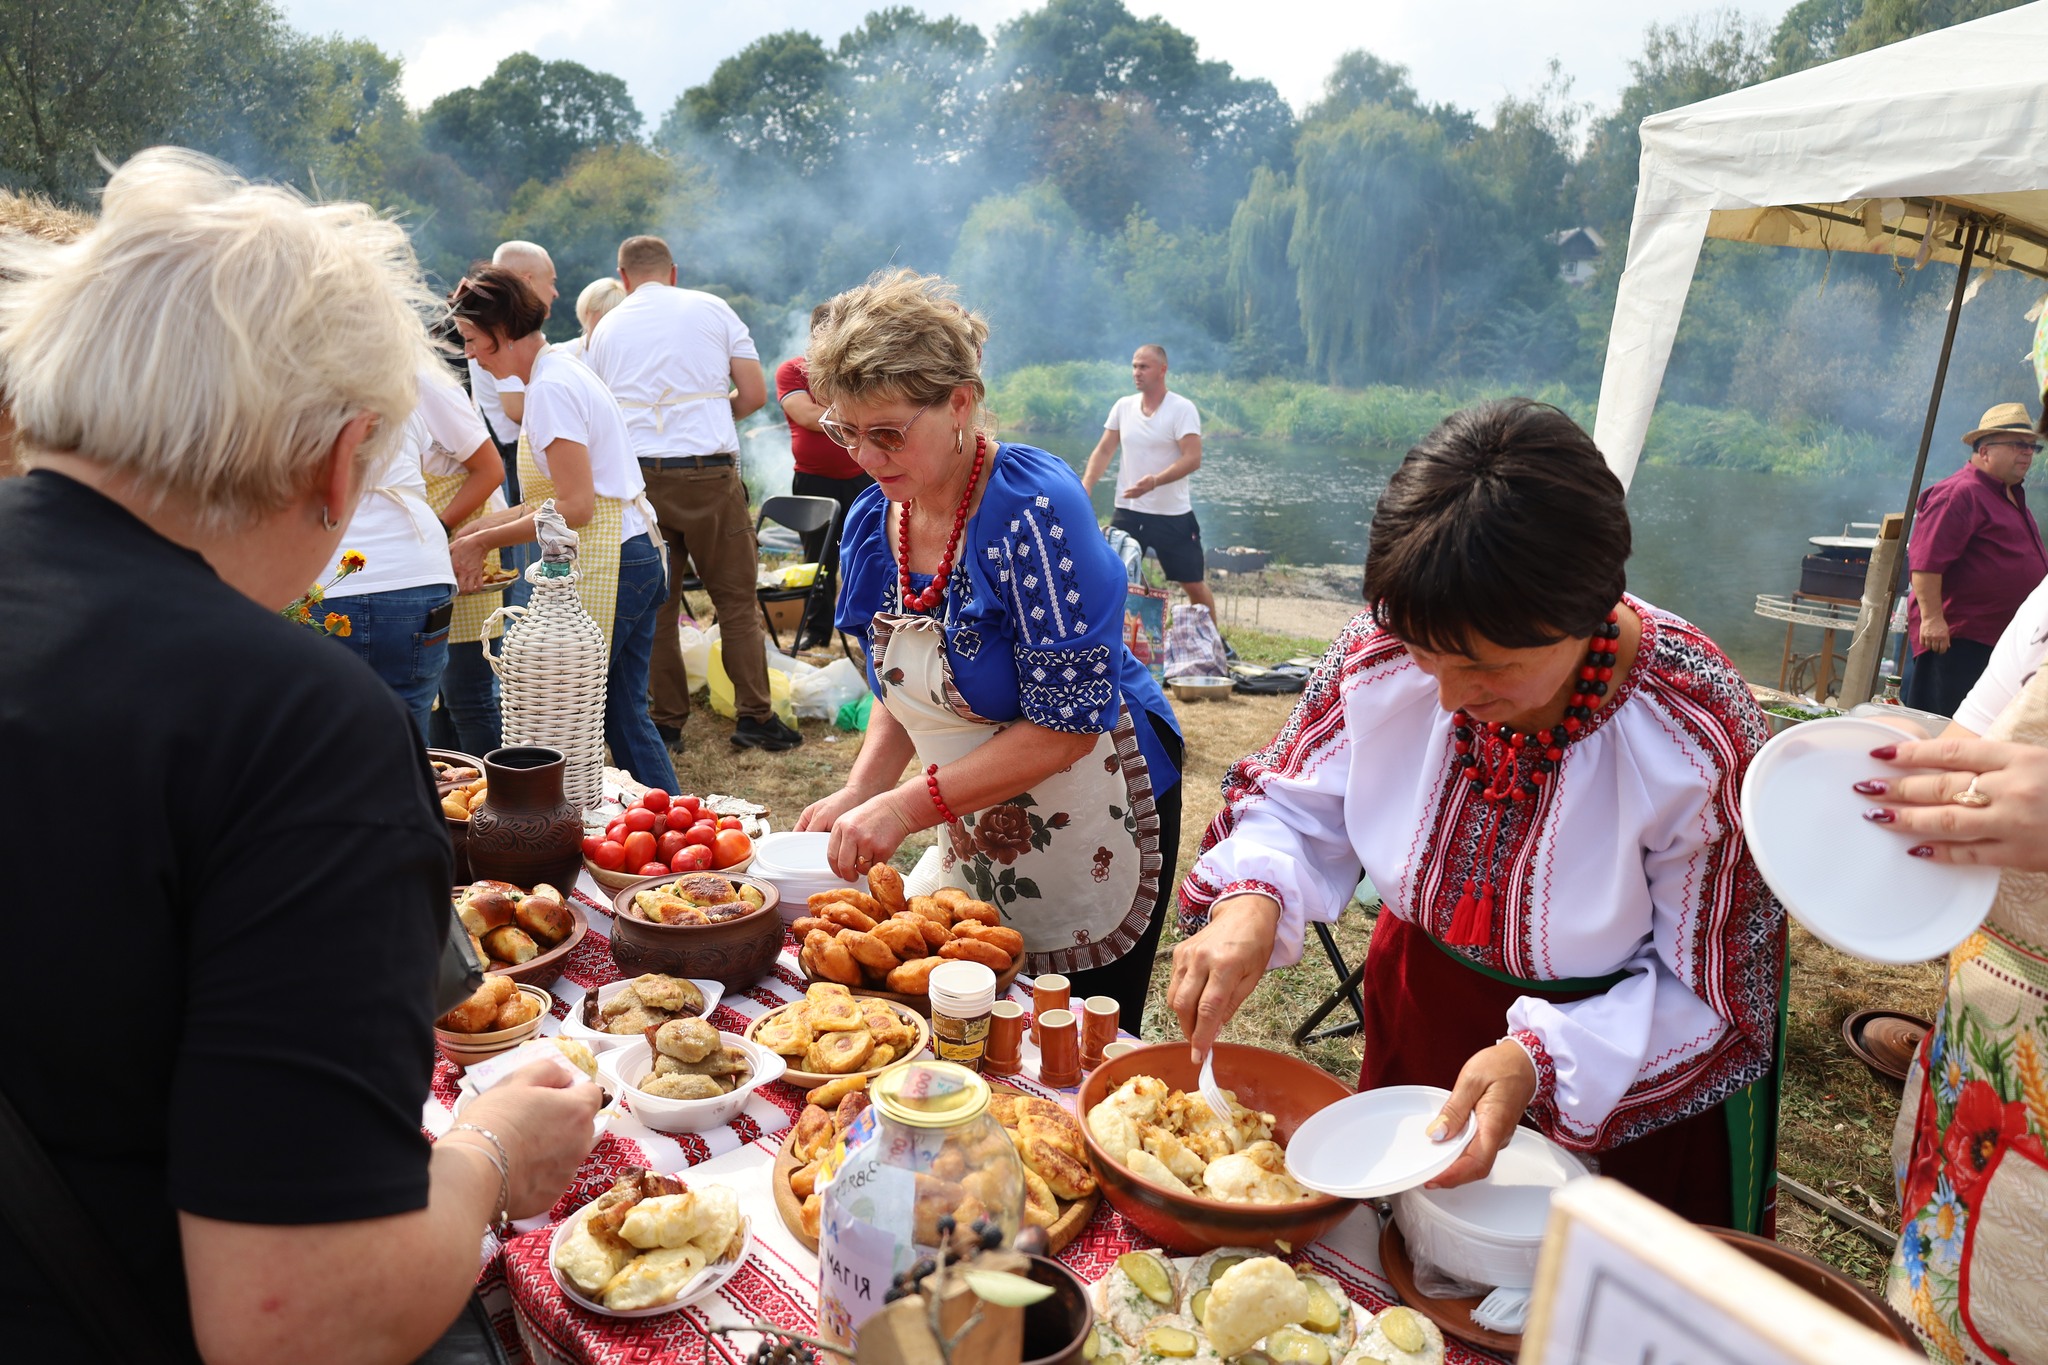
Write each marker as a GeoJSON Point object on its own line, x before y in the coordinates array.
{"type": "Point", "coordinates": [2003, 417]}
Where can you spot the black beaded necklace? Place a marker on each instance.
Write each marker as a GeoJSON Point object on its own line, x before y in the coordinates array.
{"type": "Point", "coordinates": [1492, 758]}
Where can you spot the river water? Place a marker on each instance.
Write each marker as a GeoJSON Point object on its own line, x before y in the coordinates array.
{"type": "Point", "coordinates": [1707, 541]}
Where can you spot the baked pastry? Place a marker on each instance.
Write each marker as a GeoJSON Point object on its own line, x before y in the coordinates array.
{"type": "Point", "coordinates": [965, 909]}
{"type": "Point", "coordinates": [479, 1013]}
{"type": "Point", "coordinates": [974, 950]}
{"type": "Point", "coordinates": [830, 959]}
{"type": "Point", "coordinates": [903, 938]}
{"type": "Point", "coordinates": [687, 1040]}
{"type": "Point", "coordinates": [486, 905]}
{"type": "Point", "coordinates": [705, 888]}
{"type": "Point", "coordinates": [913, 978]}
{"type": "Point", "coordinates": [995, 935]}
{"type": "Point", "coordinates": [887, 885]}
{"type": "Point", "coordinates": [682, 1087]}
{"type": "Point", "coordinates": [835, 1054]}
{"type": "Point", "coordinates": [542, 914]}
{"type": "Point", "coordinates": [787, 1031]}
{"type": "Point", "coordinates": [869, 951]}
{"type": "Point", "coordinates": [889, 1028]}
{"type": "Point", "coordinates": [936, 935]}
{"type": "Point", "coordinates": [849, 916]}
{"type": "Point", "coordinates": [509, 943]}
{"type": "Point", "coordinates": [519, 1008]}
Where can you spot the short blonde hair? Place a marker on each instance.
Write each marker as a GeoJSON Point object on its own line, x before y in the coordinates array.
{"type": "Point", "coordinates": [209, 338]}
{"type": "Point", "coordinates": [900, 335]}
{"type": "Point", "coordinates": [598, 298]}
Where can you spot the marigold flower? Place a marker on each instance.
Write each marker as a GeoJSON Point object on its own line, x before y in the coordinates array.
{"type": "Point", "coordinates": [301, 613]}
{"type": "Point", "coordinates": [337, 624]}
{"type": "Point", "coordinates": [315, 593]}
{"type": "Point", "coordinates": [352, 560]}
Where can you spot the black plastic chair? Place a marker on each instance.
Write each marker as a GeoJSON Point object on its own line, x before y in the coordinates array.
{"type": "Point", "coordinates": [805, 518]}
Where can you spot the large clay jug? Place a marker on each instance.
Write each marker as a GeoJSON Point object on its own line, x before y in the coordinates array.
{"type": "Point", "coordinates": [527, 831]}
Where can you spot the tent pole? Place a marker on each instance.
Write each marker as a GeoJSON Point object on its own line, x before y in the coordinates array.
{"type": "Point", "coordinates": [1860, 683]}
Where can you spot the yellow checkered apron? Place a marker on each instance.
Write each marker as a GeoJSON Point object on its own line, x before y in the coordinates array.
{"type": "Point", "coordinates": [597, 546]}
{"type": "Point", "coordinates": [472, 609]}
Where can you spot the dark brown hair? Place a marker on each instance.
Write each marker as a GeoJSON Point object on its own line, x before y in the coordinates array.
{"type": "Point", "coordinates": [1505, 524]}
{"type": "Point", "coordinates": [498, 302]}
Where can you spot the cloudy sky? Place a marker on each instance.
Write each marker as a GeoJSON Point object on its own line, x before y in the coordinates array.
{"type": "Point", "coordinates": [1466, 52]}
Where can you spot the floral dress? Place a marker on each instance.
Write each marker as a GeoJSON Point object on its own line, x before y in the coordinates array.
{"type": "Point", "coordinates": [1971, 1146]}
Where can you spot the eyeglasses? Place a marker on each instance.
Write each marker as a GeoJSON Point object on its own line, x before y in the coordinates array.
{"type": "Point", "coordinates": [888, 440]}
{"type": "Point", "coordinates": [2031, 447]}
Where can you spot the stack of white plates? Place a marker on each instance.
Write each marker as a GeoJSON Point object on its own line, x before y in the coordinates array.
{"type": "Point", "coordinates": [1375, 1143]}
{"type": "Point", "coordinates": [796, 864]}
{"type": "Point", "coordinates": [1491, 1231]}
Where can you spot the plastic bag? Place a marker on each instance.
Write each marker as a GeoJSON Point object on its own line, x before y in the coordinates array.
{"type": "Point", "coordinates": [697, 653]}
{"type": "Point", "coordinates": [854, 715]}
{"type": "Point", "coordinates": [1145, 626]}
{"type": "Point", "coordinates": [818, 694]}
{"type": "Point", "coordinates": [725, 702]}
{"type": "Point", "coordinates": [1193, 644]}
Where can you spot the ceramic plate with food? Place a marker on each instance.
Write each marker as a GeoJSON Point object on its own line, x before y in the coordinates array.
{"type": "Point", "coordinates": [649, 1245]}
{"type": "Point", "coordinates": [1159, 1310]}
{"type": "Point", "coordinates": [831, 1033]}
{"type": "Point", "coordinates": [883, 942]}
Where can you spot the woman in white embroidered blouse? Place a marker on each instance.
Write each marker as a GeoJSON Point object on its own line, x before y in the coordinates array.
{"type": "Point", "coordinates": [1539, 774]}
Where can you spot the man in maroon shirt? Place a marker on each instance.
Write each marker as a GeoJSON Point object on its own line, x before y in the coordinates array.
{"type": "Point", "coordinates": [824, 469]}
{"type": "Point", "coordinates": [1976, 554]}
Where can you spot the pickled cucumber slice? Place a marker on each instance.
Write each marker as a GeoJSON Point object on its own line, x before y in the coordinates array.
{"type": "Point", "coordinates": [1292, 1347]}
{"type": "Point", "coordinates": [1091, 1345]}
{"type": "Point", "coordinates": [1151, 1276]}
{"type": "Point", "coordinates": [1402, 1329]}
{"type": "Point", "coordinates": [1223, 1263]}
{"type": "Point", "coordinates": [1172, 1341]}
{"type": "Point", "coordinates": [1324, 1314]}
{"type": "Point", "coordinates": [1198, 1307]}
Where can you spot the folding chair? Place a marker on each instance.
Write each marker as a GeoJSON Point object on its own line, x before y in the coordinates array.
{"type": "Point", "coordinates": [797, 520]}
{"type": "Point", "coordinates": [1349, 979]}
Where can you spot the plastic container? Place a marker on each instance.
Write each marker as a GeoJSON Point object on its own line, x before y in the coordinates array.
{"type": "Point", "coordinates": [1491, 1231]}
{"type": "Point", "coordinates": [962, 994]}
{"type": "Point", "coordinates": [796, 864]}
{"type": "Point", "coordinates": [926, 1146]}
{"type": "Point", "coordinates": [574, 1027]}
{"type": "Point", "coordinates": [627, 1067]}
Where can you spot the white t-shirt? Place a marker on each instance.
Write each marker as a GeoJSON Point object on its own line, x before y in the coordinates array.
{"type": "Point", "coordinates": [564, 400]}
{"type": "Point", "coordinates": [654, 351]}
{"type": "Point", "coordinates": [2014, 659]}
{"type": "Point", "coordinates": [401, 539]}
{"type": "Point", "coordinates": [485, 390]}
{"type": "Point", "coordinates": [449, 433]}
{"type": "Point", "coordinates": [1150, 444]}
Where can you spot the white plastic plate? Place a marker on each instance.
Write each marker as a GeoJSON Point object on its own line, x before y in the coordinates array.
{"type": "Point", "coordinates": [1375, 1143]}
{"type": "Point", "coordinates": [1849, 881]}
{"type": "Point", "coordinates": [574, 1027]}
{"type": "Point", "coordinates": [707, 1283]}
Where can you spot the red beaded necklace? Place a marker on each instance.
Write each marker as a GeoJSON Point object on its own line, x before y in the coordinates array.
{"type": "Point", "coordinates": [1492, 757]}
{"type": "Point", "coordinates": [936, 589]}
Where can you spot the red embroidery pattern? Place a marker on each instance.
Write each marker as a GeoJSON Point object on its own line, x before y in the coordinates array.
{"type": "Point", "coordinates": [1546, 1069]}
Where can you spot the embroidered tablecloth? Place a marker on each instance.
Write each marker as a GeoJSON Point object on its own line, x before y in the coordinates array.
{"type": "Point", "coordinates": [780, 1280]}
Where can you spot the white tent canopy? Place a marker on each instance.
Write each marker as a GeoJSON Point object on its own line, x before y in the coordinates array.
{"type": "Point", "coordinates": [1856, 155]}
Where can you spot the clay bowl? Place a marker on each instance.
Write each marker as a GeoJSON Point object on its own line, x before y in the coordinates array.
{"type": "Point", "coordinates": [1825, 1283]}
{"type": "Point", "coordinates": [1286, 1087]}
{"type": "Point", "coordinates": [546, 968]}
{"type": "Point", "coordinates": [735, 953]}
{"type": "Point", "coordinates": [458, 830]}
{"type": "Point", "coordinates": [467, 1049]}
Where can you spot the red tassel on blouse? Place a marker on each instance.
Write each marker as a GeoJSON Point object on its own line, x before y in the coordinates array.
{"type": "Point", "coordinates": [1472, 920]}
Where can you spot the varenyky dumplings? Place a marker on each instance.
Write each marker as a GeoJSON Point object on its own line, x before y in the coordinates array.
{"type": "Point", "coordinates": [644, 1241]}
{"type": "Point", "coordinates": [1173, 1139]}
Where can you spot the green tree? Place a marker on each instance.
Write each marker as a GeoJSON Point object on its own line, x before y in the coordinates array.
{"type": "Point", "coordinates": [1170, 290]}
{"type": "Point", "coordinates": [529, 119]}
{"type": "Point", "coordinates": [774, 106]}
{"type": "Point", "coordinates": [1882, 22]}
{"type": "Point", "coordinates": [1259, 280]}
{"type": "Point", "coordinates": [1360, 79]}
{"type": "Point", "coordinates": [1025, 262]}
{"type": "Point", "coordinates": [910, 85]}
{"type": "Point", "coordinates": [1811, 33]}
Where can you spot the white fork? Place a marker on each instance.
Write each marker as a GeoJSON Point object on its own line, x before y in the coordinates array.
{"type": "Point", "coordinates": [1213, 1092]}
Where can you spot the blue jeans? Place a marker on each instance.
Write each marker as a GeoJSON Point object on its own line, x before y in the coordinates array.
{"type": "Point", "coordinates": [628, 729]}
{"type": "Point", "coordinates": [467, 719]}
{"type": "Point", "coordinates": [387, 631]}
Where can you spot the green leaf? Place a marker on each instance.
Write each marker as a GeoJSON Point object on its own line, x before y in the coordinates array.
{"type": "Point", "coordinates": [1006, 1290]}
{"type": "Point", "coordinates": [1026, 799]}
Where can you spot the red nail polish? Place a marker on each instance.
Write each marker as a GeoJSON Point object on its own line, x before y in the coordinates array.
{"type": "Point", "coordinates": [1879, 816]}
{"type": "Point", "coordinates": [1885, 752]}
{"type": "Point", "coordinates": [1921, 851]}
{"type": "Point", "coordinates": [1873, 787]}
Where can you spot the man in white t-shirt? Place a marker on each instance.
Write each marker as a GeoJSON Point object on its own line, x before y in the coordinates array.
{"type": "Point", "coordinates": [684, 371]}
{"type": "Point", "coordinates": [1160, 434]}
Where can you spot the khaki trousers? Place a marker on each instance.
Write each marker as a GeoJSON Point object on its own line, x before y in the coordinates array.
{"type": "Point", "coordinates": [703, 514]}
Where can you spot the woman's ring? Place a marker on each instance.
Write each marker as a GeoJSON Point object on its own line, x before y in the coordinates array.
{"type": "Point", "coordinates": [863, 864]}
{"type": "Point", "coordinates": [1971, 797]}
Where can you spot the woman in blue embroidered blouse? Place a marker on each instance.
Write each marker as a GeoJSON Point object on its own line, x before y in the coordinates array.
{"type": "Point", "coordinates": [992, 612]}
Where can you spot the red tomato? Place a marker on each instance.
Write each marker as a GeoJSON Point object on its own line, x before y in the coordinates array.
{"type": "Point", "coordinates": [591, 843]}
{"type": "Point", "coordinates": [655, 800]}
{"type": "Point", "coordinates": [639, 848]}
{"type": "Point", "coordinates": [690, 804]}
{"type": "Point", "coordinates": [731, 847]}
{"type": "Point", "coordinates": [640, 819]}
{"type": "Point", "coordinates": [729, 822]}
{"type": "Point", "coordinates": [703, 836]}
{"type": "Point", "coordinates": [610, 855]}
{"type": "Point", "coordinates": [691, 858]}
{"type": "Point", "coordinates": [616, 831]}
{"type": "Point", "coordinates": [655, 870]}
{"type": "Point", "coordinates": [670, 844]}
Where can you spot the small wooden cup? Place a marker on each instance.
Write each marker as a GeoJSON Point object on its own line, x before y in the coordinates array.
{"type": "Point", "coordinates": [1098, 1028]}
{"type": "Point", "coordinates": [1059, 1049]}
{"type": "Point", "coordinates": [1048, 992]}
{"type": "Point", "coordinates": [1004, 1054]}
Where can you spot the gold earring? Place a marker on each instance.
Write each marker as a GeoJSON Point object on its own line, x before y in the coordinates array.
{"type": "Point", "coordinates": [959, 441]}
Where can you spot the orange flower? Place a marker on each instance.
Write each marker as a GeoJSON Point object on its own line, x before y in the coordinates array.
{"type": "Point", "coordinates": [315, 593]}
{"type": "Point", "coordinates": [352, 560]}
{"type": "Point", "coordinates": [337, 624]}
{"type": "Point", "coordinates": [301, 613]}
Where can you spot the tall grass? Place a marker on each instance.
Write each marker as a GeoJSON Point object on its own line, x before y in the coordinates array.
{"type": "Point", "coordinates": [1076, 395]}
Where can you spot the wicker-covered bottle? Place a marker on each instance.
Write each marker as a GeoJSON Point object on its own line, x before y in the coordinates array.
{"type": "Point", "coordinates": [551, 666]}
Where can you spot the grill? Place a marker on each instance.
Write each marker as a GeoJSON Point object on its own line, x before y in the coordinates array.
{"type": "Point", "coordinates": [1839, 564]}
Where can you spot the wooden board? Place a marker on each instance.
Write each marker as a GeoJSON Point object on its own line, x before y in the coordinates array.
{"type": "Point", "coordinates": [810, 1080]}
{"type": "Point", "coordinates": [1454, 1316]}
{"type": "Point", "coordinates": [1073, 1217]}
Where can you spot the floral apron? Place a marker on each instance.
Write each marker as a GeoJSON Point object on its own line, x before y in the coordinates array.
{"type": "Point", "coordinates": [472, 609]}
{"type": "Point", "coordinates": [1970, 1150]}
{"type": "Point", "coordinates": [1073, 864]}
{"type": "Point", "coordinates": [597, 544]}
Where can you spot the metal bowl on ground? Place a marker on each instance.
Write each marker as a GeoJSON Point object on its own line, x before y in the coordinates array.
{"type": "Point", "coordinates": [1288, 1088]}
{"type": "Point", "coordinates": [1201, 687]}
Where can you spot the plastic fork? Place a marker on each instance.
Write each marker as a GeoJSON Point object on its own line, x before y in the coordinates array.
{"type": "Point", "coordinates": [1213, 1092]}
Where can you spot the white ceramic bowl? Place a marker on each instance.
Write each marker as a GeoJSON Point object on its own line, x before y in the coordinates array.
{"type": "Point", "coordinates": [1491, 1231]}
{"type": "Point", "coordinates": [707, 1283]}
{"type": "Point", "coordinates": [574, 1027]}
{"type": "Point", "coordinates": [627, 1067]}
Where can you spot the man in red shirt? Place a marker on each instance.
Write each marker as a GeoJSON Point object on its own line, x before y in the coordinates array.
{"type": "Point", "coordinates": [824, 469]}
{"type": "Point", "coordinates": [1976, 554]}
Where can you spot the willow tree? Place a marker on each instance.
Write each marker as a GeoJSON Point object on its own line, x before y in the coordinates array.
{"type": "Point", "coordinates": [1265, 317]}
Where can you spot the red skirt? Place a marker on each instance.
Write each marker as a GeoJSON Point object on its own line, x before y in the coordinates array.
{"type": "Point", "coordinates": [1426, 1014]}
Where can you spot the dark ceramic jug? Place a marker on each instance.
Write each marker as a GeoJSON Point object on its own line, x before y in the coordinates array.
{"type": "Point", "coordinates": [526, 832]}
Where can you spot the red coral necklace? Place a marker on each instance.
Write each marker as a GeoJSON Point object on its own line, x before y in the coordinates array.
{"type": "Point", "coordinates": [1490, 758]}
{"type": "Point", "coordinates": [929, 598]}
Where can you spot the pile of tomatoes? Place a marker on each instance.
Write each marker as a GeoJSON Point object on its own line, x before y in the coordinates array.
{"type": "Point", "coordinates": [662, 834]}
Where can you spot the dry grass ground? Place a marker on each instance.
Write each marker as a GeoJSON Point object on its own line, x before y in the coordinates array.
{"type": "Point", "coordinates": [1835, 1131]}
